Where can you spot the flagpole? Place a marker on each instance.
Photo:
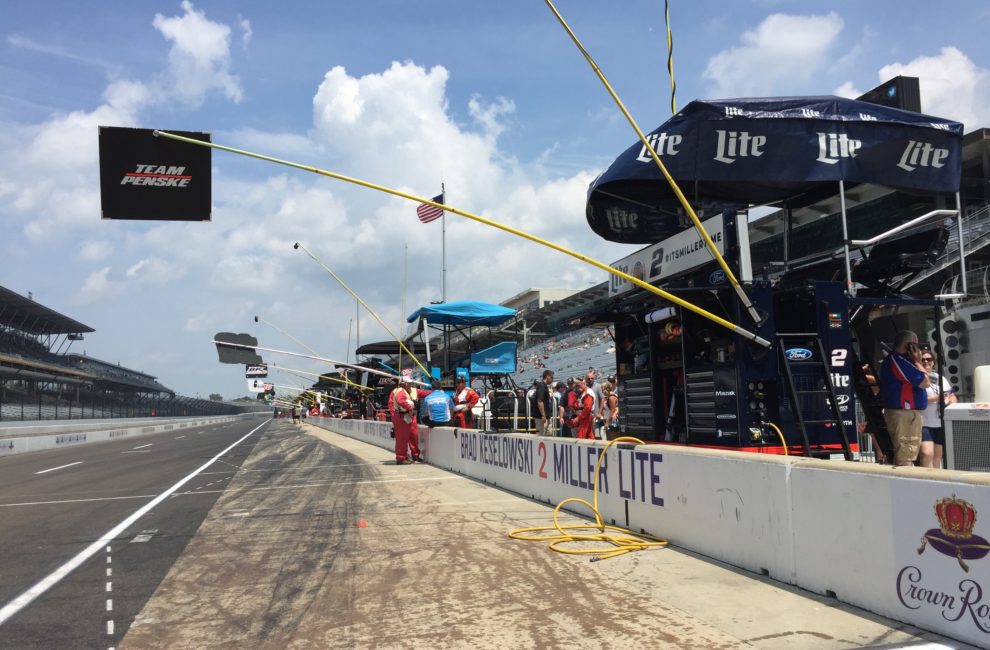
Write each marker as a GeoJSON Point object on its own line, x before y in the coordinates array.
{"type": "Point", "coordinates": [443, 246]}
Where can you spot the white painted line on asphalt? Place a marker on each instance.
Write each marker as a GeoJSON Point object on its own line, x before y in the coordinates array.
{"type": "Point", "coordinates": [109, 572]}
{"type": "Point", "coordinates": [45, 471]}
{"type": "Point", "coordinates": [52, 579]}
{"type": "Point", "coordinates": [44, 503]}
{"type": "Point", "coordinates": [179, 437]}
{"type": "Point", "coordinates": [109, 586]}
{"type": "Point", "coordinates": [109, 604]}
{"type": "Point", "coordinates": [142, 451]}
{"type": "Point", "coordinates": [110, 626]}
{"type": "Point", "coordinates": [144, 536]}
{"type": "Point", "coordinates": [143, 446]}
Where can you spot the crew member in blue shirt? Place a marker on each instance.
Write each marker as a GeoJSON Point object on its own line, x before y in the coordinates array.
{"type": "Point", "coordinates": [439, 406]}
{"type": "Point", "coordinates": [902, 385]}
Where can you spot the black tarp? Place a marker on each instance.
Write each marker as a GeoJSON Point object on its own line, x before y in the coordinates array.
{"type": "Point", "coordinates": [737, 152]}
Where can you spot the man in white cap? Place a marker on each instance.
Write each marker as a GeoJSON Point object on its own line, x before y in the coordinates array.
{"type": "Point", "coordinates": [403, 411]}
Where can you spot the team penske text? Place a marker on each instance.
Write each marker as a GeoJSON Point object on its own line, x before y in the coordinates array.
{"type": "Point", "coordinates": [157, 176]}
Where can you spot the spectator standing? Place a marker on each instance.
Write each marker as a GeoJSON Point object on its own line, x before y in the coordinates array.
{"type": "Point", "coordinates": [611, 410]}
{"type": "Point", "coordinates": [464, 400]}
{"type": "Point", "coordinates": [595, 389]}
{"type": "Point", "coordinates": [560, 393]}
{"type": "Point", "coordinates": [403, 411]}
{"type": "Point", "coordinates": [541, 397]}
{"type": "Point", "coordinates": [932, 434]}
{"type": "Point", "coordinates": [902, 384]}
{"type": "Point", "coordinates": [582, 404]}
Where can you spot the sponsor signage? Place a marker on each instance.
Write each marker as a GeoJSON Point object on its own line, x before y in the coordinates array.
{"type": "Point", "coordinates": [798, 354]}
{"type": "Point", "coordinates": [144, 177]}
{"type": "Point", "coordinates": [716, 149]}
{"type": "Point", "coordinates": [673, 256]}
{"type": "Point", "coordinates": [257, 385]}
{"type": "Point", "coordinates": [258, 370]}
{"type": "Point", "coordinates": [941, 578]}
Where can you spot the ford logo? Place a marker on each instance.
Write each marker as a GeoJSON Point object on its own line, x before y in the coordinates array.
{"type": "Point", "coordinates": [798, 354]}
{"type": "Point", "coordinates": [717, 277]}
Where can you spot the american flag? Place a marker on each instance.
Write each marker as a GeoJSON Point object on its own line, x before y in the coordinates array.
{"type": "Point", "coordinates": [427, 212]}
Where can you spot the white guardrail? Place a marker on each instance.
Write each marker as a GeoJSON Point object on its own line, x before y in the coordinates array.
{"type": "Point", "coordinates": [21, 437]}
{"type": "Point", "coordinates": [906, 543]}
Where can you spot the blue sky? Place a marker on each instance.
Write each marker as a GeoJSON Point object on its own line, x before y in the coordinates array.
{"type": "Point", "coordinates": [490, 98]}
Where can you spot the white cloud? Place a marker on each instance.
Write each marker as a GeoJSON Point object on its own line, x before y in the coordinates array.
{"type": "Point", "coordinates": [199, 60]}
{"type": "Point", "coordinates": [46, 204]}
{"type": "Point", "coordinates": [777, 57]}
{"type": "Point", "coordinates": [94, 251]}
{"type": "Point", "coordinates": [246, 31]}
{"type": "Point", "coordinates": [25, 43]}
{"type": "Point", "coordinates": [154, 270]}
{"type": "Point", "coordinates": [952, 86]}
{"type": "Point", "coordinates": [847, 89]}
{"type": "Point", "coordinates": [99, 286]}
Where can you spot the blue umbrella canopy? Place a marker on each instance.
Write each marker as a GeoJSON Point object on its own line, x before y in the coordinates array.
{"type": "Point", "coordinates": [737, 152]}
{"type": "Point", "coordinates": [467, 312]}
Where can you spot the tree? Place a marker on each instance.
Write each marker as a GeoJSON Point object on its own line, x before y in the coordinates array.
{"type": "Point", "coordinates": [216, 397]}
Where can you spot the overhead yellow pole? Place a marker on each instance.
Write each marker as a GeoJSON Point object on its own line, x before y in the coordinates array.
{"type": "Point", "coordinates": [365, 305]}
{"type": "Point", "coordinates": [488, 222]}
{"type": "Point", "coordinates": [259, 319]}
{"type": "Point", "coordinates": [663, 169]}
{"type": "Point", "coordinates": [319, 375]}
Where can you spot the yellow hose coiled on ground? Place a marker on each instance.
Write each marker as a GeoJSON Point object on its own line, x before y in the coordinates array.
{"type": "Point", "coordinates": [620, 544]}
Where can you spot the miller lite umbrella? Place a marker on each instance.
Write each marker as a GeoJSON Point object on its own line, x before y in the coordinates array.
{"type": "Point", "coordinates": [739, 152]}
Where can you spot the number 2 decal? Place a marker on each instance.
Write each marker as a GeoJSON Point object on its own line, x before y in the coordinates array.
{"type": "Point", "coordinates": [542, 451]}
{"type": "Point", "coordinates": [839, 357]}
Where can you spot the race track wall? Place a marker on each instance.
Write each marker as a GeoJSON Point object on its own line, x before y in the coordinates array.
{"type": "Point", "coordinates": [21, 437]}
{"type": "Point", "coordinates": [868, 535]}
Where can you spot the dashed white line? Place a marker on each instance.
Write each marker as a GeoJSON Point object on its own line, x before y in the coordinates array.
{"type": "Point", "coordinates": [52, 579]}
{"type": "Point", "coordinates": [143, 446]}
{"type": "Point", "coordinates": [45, 471]}
{"type": "Point", "coordinates": [109, 572]}
{"type": "Point", "coordinates": [109, 604]}
{"type": "Point", "coordinates": [109, 586]}
{"type": "Point", "coordinates": [110, 626]}
{"type": "Point", "coordinates": [179, 437]}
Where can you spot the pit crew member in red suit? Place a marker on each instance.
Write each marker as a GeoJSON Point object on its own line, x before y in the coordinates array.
{"type": "Point", "coordinates": [464, 400]}
{"type": "Point", "coordinates": [582, 404]}
{"type": "Point", "coordinates": [403, 411]}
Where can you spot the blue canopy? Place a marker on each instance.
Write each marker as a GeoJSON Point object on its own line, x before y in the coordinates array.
{"type": "Point", "coordinates": [467, 312]}
{"type": "Point", "coordinates": [736, 152]}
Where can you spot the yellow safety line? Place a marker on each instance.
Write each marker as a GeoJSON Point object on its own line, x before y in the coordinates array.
{"type": "Point", "coordinates": [494, 224]}
{"type": "Point", "coordinates": [670, 180]}
{"type": "Point", "coordinates": [365, 305]}
{"type": "Point", "coordinates": [321, 376]}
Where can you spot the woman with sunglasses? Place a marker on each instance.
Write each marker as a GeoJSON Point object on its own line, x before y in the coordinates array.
{"type": "Point", "coordinates": [932, 434]}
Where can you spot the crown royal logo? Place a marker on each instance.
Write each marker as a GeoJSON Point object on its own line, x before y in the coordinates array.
{"type": "Point", "coordinates": [954, 536]}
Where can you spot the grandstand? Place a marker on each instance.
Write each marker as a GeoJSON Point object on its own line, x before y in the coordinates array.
{"type": "Point", "coordinates": [39, 380]}
{"type": "Point", "coordinates": [569, 354]}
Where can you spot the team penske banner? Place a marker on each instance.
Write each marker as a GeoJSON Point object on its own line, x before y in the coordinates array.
{"type": "Point", "coordinates": [147, 178]}
{"type": "Point", "coordinates": [757, 151]}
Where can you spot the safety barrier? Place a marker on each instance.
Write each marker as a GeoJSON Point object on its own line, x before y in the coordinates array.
{"type": "Point", "coordinates": [865, 534]}
{"type": "Point", "coordinates": [22, 437]}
